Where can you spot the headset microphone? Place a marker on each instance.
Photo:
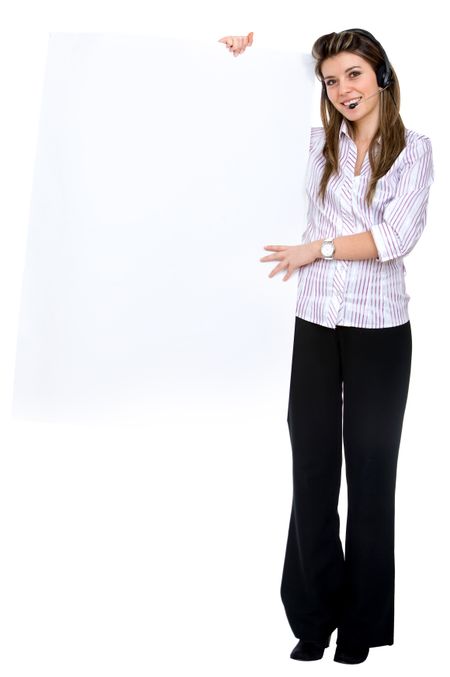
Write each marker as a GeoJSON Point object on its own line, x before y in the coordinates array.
{"type": "Point", "coordinates": [353, 105]}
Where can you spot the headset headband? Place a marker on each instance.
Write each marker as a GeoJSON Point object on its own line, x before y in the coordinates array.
{"type": "Point", "coordinates": [384, 72]}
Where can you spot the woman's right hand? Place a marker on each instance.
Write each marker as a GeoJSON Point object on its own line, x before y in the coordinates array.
{"type": "Point", "coordinates": [237, 43]}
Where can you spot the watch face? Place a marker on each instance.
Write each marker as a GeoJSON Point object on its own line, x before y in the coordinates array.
{"type": "Point", "coordinates": [328, 249]}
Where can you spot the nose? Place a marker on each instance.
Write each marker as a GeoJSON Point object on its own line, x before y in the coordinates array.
{"type": "Point", "coordinates": [344, 89]}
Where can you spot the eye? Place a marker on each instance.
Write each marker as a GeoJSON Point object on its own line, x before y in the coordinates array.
{"type": "Point", "coordinates": [330, 82]}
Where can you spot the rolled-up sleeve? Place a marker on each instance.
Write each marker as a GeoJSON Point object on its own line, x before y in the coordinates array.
{"type": "Point", "coordinates": [404, 217]}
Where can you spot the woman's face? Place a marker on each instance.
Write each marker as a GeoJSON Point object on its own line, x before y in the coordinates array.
{"type": "Point", "coordinates": [349, 76]}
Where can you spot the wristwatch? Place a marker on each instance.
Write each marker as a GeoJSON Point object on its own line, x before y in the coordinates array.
{"type": "Point", "coordinates": [327, 249]}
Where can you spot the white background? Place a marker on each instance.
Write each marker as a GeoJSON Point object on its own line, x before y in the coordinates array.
{"type": "Point", "coordinates": [119, 557]}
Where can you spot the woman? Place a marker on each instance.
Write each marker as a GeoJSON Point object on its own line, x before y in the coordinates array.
{"type": "Point", "coordinates": [368, 181]}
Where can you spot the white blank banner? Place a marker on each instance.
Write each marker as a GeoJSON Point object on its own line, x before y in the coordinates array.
{"type": "Point", "coordinates": [163, 168]}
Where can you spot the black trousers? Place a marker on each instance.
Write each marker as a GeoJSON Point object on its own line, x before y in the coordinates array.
{"type": "Point", "coordinates": [348, 384]}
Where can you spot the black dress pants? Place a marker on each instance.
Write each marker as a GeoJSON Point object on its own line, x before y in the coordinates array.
{"type": "Point", "coordinates": [348, 384]}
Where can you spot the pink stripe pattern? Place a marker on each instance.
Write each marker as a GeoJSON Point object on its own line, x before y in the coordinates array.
{"type": "Point", "coordinates": [367, 293]}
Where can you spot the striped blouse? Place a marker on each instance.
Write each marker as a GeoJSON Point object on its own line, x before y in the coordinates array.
{"type": "Point", "coordinates": [364, 292]}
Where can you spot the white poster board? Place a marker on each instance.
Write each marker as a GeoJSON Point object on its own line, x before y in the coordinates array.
{"type": "Point", "coordinates": [163, 168]}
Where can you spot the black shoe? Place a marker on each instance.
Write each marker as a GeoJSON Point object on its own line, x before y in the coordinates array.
{"type": "Point", "coordinates": [347, 653]}
{"type": "Point", "coordinates": [306, 650]}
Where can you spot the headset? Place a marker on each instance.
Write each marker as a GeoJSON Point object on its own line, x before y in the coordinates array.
{"type": "Point", "coordinates": [384, 70]}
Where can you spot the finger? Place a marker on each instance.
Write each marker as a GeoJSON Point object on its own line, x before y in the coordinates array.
{"type": "Point", "coordinates": [272, 257]}
{"type": "Point", "coordinates": [275, 247]}
{"type": "Point", "coordinates": [276, 270]}
{"type": "Point", "coordinates": [250, 39]}
{"type": "Point", "coordinates": [238, 45]}
{"type": "Point", "coordinates": [283, 265]}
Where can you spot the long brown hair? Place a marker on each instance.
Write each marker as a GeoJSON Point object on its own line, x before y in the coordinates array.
{"type": "Point", "coordinates": [391, 132]}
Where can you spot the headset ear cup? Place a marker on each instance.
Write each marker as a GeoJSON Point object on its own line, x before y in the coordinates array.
{"type": "Point", "coordinates": [383, 76]}
{"type": "Point", "coordinates": [380, 72]}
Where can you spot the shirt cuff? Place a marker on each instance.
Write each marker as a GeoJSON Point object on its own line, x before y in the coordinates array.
{"type": "Point", "coordinates": [385, 242]}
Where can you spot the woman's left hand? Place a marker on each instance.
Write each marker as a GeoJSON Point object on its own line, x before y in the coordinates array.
{"type": "Point", "coordinates": [290, 257]}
